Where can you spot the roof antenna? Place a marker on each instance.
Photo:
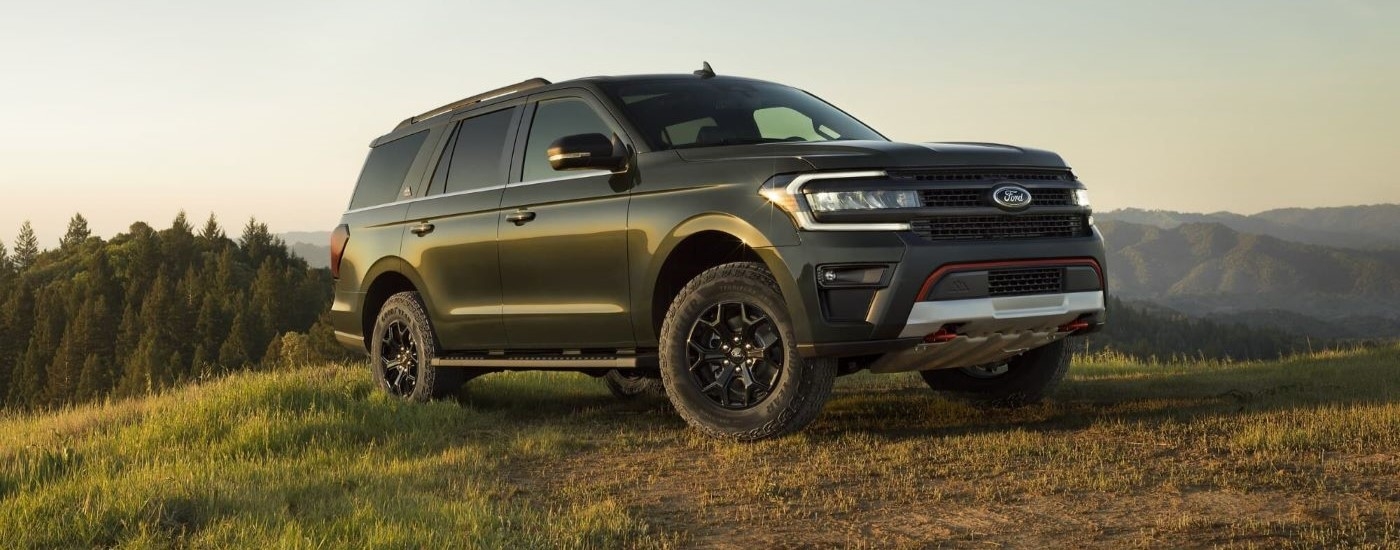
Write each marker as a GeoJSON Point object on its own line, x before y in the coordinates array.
{"type": "Point", "coordinates": [705, 71]}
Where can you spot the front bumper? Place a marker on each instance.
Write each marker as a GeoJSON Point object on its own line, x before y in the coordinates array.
{"type": "Point", "coordinates": [897, 318]}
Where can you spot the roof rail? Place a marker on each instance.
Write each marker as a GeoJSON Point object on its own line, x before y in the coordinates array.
{"type": "Point", "coordinates": [513, 88]}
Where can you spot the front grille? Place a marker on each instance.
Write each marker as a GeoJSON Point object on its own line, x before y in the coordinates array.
{"type": "Point", "coordinates": [954, 198]}
{"type": "Point", "coordinates": [1016, 282]}
{"type": "Point", "coordinates": [978, 174]}
{"type": "Point", "coordinates": [973, 198]}
{"type": "Point", "coordinates": [1029, 226]}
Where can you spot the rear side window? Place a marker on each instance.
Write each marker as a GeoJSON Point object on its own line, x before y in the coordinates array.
{"type": "Point", "coordinates": [555, 119]}
{"type": "Point", "coordinates": [381, 181]}
{"type": "Point", "coordinates": [478, 158]}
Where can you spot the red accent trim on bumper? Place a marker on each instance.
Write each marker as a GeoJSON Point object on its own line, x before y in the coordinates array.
{"type": "Point", "coordinates": [979, 266]}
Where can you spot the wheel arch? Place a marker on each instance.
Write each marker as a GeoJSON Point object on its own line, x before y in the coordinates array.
{"type": "Point", "coordinates": [388, 277]}
{"type": "Point", "coordinates": [697, 244]}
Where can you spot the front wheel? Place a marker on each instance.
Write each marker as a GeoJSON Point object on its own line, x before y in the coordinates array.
{"type": "Point", "coordinates": [1021, 380]}
{"type": "Point", "coordinates": [729, 359]}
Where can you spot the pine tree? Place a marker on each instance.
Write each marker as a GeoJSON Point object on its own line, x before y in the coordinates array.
{"type": "Point", "coordinates": [5, 263]}
{"type": "Point", "coordinates": [177, 245]}
{"type": "Point", "coordinates": [30, 378]}
{"type": "Point", "coordinates": [234, 351]}
{"type": "Point", "coordinates": [26, 247]}
{"type": "Point", "coordinates": [95, 379]}
{"type": "Point", "coordinates": [212, 232]}
{"type": "Point", "coordinates": [160, 318]}
{"type": "Point", "coordinates": [77, 234]}
{"type": "Point", "coordinates": [65, 368]}
{"type": "Point", "coordinates": [16, 325]}
{"type": "Point", "coordinates": [272, 357]}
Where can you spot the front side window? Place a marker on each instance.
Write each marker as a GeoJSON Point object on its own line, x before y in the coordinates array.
{"type": "Point", "coordinates": [682, 113]}
{"type": "Point", "coordinates": [554, 119]}
{"type": "Point", "coordinates": [381, 180]}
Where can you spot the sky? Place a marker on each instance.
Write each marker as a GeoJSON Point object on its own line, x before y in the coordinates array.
{"type": "Point", "coordinates": [134, 110]}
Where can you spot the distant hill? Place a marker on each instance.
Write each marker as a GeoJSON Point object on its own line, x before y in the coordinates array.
{"type": "Point", "coordinates": [315, 255]}
{"type": "Point", "coordinates": [1359, 227]}
{"type": "Point", "coordinates": [1210, 268]}
{"type": "Point", "coordinates": [322, 238]}
{"type": "Point", "coordinates": [312, 246]}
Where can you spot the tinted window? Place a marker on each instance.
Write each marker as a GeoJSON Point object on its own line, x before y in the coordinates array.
{"type": "Point", "coordinates": [478, 159]}
{"type": "Point", "coordinates": [730, 112]}
{"type": "Point", "coordinates": [555, 119]}
{"type": "Point", "coordinates": [381, 181]}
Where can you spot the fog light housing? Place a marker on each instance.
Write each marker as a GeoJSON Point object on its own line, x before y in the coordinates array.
{"type": "Point", "coordinates": [851, 275]}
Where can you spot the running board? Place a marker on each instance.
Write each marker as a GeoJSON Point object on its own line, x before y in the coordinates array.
{"type": "Point", "coordinates": [539, 361]}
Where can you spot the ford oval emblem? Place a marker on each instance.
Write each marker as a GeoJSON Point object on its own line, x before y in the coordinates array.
{"type": "Point", "coordinates": [1010, 196]}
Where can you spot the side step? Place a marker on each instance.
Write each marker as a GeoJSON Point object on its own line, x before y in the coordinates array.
{"type": "Point", "coordinates": [541, 361]}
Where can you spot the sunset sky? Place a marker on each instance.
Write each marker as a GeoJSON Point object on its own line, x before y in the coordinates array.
{"type": "Point", "coordinates": [134, 110]}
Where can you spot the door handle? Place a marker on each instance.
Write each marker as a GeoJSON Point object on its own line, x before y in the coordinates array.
{"type": "Point", "coordinates": [520, 217]}
{"type": "Point", "coordinates": [423, 228]}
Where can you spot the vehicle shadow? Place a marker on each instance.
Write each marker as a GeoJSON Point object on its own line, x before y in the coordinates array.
{"type": "Point", "coordinates": [1085, 399]}
{"type": "Point", "coordinates": [903, 407]}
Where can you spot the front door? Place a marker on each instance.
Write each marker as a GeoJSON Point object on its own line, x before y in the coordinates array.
{"type": "Point", "coordinates": [563, 241]}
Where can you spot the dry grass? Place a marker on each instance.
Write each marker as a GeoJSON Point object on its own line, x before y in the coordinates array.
{"type": "Point", "coordinates": [1303, 452]}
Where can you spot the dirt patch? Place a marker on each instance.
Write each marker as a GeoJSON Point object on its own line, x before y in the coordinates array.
{"type": "Point", "coordinates": [680, 490]}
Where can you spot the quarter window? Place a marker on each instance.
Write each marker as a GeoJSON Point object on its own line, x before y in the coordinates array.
{"type": "Point", "coordinates": [381, 180]}
{"type": "Point", "coordinates": [554, 119]}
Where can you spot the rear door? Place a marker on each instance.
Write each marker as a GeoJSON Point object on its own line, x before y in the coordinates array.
{"type": "Point", "coordinates": [564, 270]}
{"type": "Point", "coordinates": [451, 234]}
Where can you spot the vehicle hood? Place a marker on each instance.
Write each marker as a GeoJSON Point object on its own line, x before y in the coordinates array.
{"type": "Point", "coordinates": [836, 155]}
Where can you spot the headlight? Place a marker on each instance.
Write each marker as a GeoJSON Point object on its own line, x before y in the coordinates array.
{"type": "Point", "coordinates": [1081, 197]}
{"type": "Point", "coordinates": [830, 201]}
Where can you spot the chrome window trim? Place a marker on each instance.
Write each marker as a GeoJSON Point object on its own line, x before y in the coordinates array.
{"type": "Point", "coordinates": [592, 173]}
{"type": "Point", "coordinates": [429, 197]}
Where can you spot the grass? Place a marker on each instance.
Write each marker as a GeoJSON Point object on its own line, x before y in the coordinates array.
{"type": "Point", "coordinates": [1303, 452]}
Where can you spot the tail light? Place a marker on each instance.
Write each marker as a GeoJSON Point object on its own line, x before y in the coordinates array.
{"type": "Point", "coordinates": [339, 238]}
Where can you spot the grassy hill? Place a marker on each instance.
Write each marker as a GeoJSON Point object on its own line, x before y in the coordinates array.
{"type": "Point", "coordinates": [1303, 452]}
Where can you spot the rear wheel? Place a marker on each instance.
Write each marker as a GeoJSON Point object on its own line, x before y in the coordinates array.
{"type": "Point", "coordinates": [729, 359]}
{"type": "Point", "coordinates": [632, 385]}
{"type": "Point", "coordinates": [402, 352]}
{"type": "Point", "coordinates": [1021, 380]}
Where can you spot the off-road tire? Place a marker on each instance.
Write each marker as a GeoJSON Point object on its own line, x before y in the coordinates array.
{"type": "Point", "coordinates": [628, 388]}
{"type": "Point", "coordinates": [1028, 379]}
{"type": "Point", "coordinates": [406, 310]}
{"type": "Point", "coordinates": [797, 394]}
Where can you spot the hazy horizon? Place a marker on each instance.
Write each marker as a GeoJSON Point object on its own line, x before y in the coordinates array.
{"type": "Point", "coordinates": [133, 111]}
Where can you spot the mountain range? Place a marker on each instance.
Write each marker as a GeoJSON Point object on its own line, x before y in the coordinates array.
{"type": "Point", "coordinates": [1368, 227]}
{"type": "Point", "coordinates": [1268, 269]}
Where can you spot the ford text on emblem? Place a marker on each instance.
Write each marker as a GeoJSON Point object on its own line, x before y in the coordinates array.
{"type": "Point", "coordinates": [1011, 196]}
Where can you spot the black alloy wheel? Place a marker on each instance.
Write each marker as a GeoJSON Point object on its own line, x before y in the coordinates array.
{"type": "Point", "coordinates": [399, 359]}
{"type": "Point", "coordinates": [735, 354]}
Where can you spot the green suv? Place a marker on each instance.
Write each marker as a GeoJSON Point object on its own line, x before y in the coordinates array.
{"type": "Point", "coordinates": [731, 243]}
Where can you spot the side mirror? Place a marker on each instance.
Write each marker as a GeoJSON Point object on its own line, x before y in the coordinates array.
{"type": "Point", "coordinates": [586, 152]}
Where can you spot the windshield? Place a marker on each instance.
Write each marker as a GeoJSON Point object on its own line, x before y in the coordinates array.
{"type": "Point", "coordinates": [677, 114]}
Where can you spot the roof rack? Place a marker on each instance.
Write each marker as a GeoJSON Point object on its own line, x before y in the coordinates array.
{"type": "Point", "coordinates": [513, 88]}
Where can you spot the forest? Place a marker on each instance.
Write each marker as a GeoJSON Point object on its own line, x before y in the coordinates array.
{"type": "Point", "coordinates": [150, 309]}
